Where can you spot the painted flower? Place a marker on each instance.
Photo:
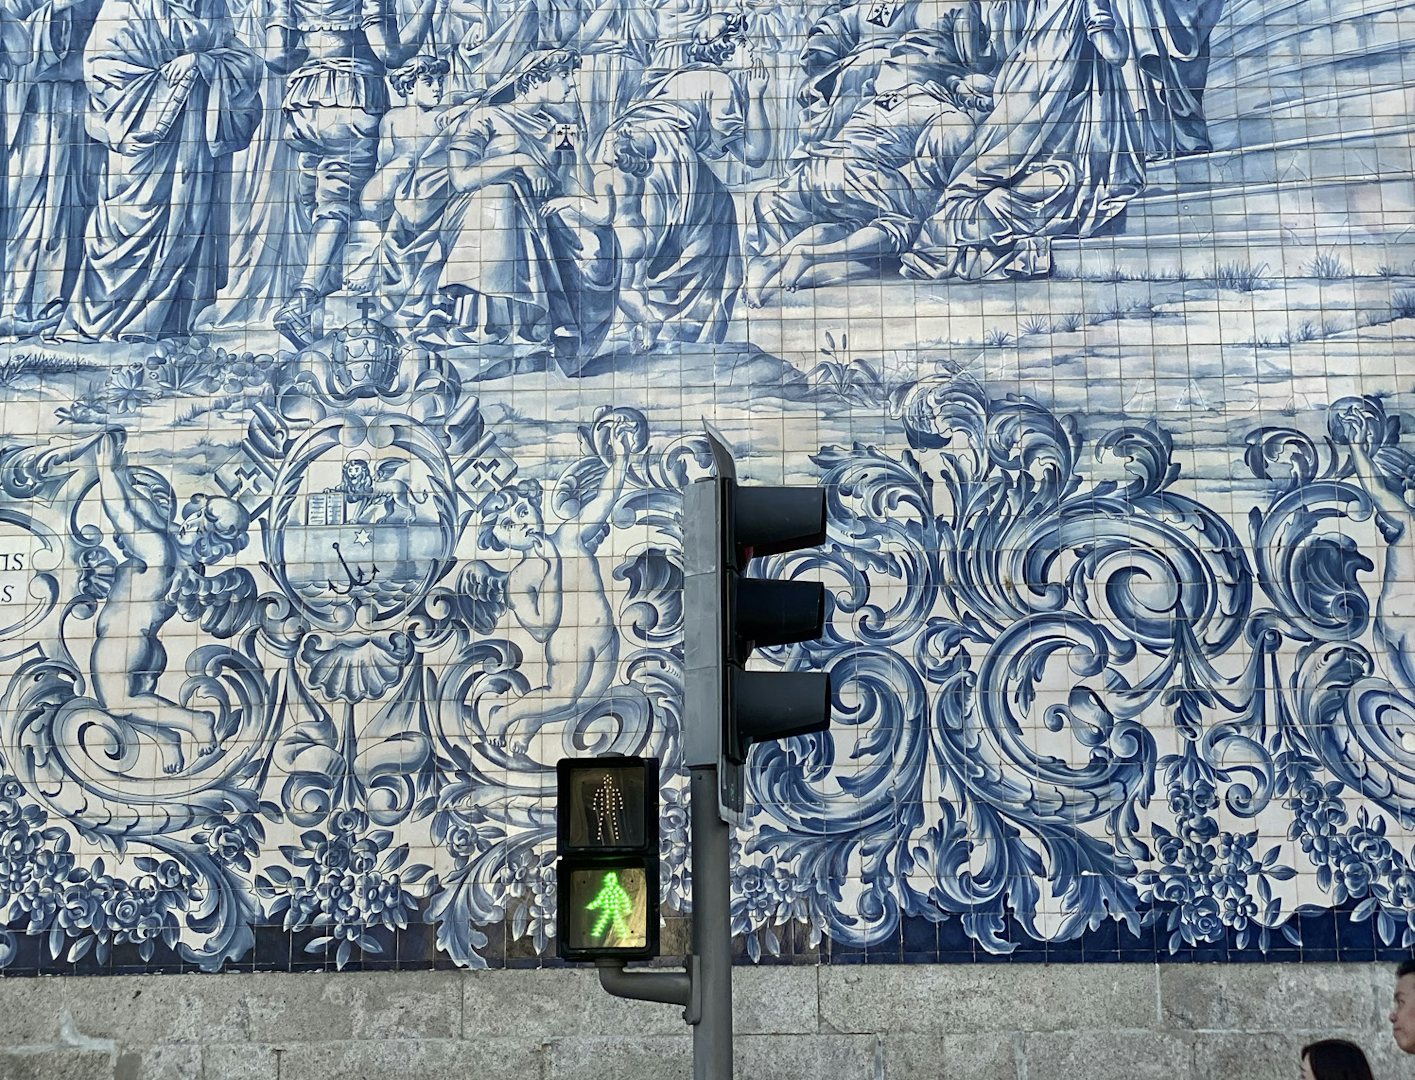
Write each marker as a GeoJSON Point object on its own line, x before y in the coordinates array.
{"type": "Point", "coordinates": [1205, 795]}
{"type": "Point", "coordinates": [336, 894]}
{"type": "Point", "coordinates": [1237, 911]}
{"type": "Point", "coordinates": [40, 898]}
{"type": "Point", "coordinates": [227, 842]}
{"type": "Point", "coordinates": [1201, 916]}
{"type": "Point", "coordinates": [123, 911]}
{"type": "Point", "coordinates": [540, 906]}
{"type": "Point", "coordinates": [1197, 860]}
{"type": "Point", "coordinates": [1369, 844]}
{"type": "Point", "coordinates": [675, 871]}
{"type": "Point", "coordinates": [461, 841]}
{"type": "Point", "coordinates": [1402, 890]}
{"type": "Point", "coordinates": [18, 844]}
{"type": "Point", "coordinates": [1353, 874]}
{"type": "Point", "coordinates": [336, 854]}
{"type": "Point", "coordinates": [1197, 830]}
{"type": "Point", "coordinates": [14, 875]}
{"type": "Point", "coordinates": [757, 896]}
{"type": "Point", "coordinates": [11, 813]}
{"type": "Point", "coordinates": [521, 870]}
{"type": "Point", "coordinates": [370, 895]}
{"type": "Point", "coordinates": [363, 856]}
{"type": "Point", "coordinates": [169, 875]}
{"type": "Point", "coordinates": [1169, 848]}
{"type": "Point", "coordinates": [350, 821]}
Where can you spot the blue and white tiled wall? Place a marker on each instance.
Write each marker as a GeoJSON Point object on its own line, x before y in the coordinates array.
{"type": "Point", "coordinates": [356, 353]}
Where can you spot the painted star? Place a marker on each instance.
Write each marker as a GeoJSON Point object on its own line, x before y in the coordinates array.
{"type": "Point", "coordinates": [362, 538]}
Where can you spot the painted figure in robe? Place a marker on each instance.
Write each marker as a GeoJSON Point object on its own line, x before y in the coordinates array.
{"type": "Point", "coordinates": [849, 204]}
{"type": "Point", "coordinates": [52, 175]}
{"type": "Point", "coordinates": [408, 194]}
{"type": "Point", "coordinates": [337, 53]}
{"type": "Point", "coordinates": [612, 231]}
{"type": "Point", "coordinates": [844, 50]}
{"type": "Point", "coordinates": [172, 95]}
{"type": "Point", "coordinates": [269, 225]}
{"type": "Point", "coordinates": [1091, 90]}
{"type": "Point", "coordinates": [686, 122]}
{"type": "Point", "coordinates": [615, 44]}
{"type": "Point", "coordinates": [510, 276]}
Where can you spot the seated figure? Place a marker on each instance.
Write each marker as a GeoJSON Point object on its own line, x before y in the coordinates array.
{"type": "Point", "coordinates": [845, 49]}
{"type": "Point", "coordinates": [850, 202]}
{"type": "Point", "coordinates": [613, 233]}
{"type": "Point", "coordinates": [397, 198]}
{"type": "Point", "coordinates": [691, 120]}
{"type": "Point", "coordinates": [1091, 90]}
{"type": "Point", "coordinates": [508, 274]}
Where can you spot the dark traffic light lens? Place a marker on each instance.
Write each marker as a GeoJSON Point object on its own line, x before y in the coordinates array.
{"type": "Point", "coordinates": [769, 612]}
{"type": "Point", "coordinates": [775, 520]}
{"type": "Point", "coordinates": [768, 705]}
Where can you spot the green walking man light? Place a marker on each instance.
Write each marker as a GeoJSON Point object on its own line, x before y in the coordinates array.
{"type": "Point", "coordinates": [607, 846]}
{"type": "Point", "coordinates": [614, 905]}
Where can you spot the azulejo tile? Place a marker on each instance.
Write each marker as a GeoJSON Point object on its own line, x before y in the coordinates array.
{"type": "Point", "coordinates": [350, 383]}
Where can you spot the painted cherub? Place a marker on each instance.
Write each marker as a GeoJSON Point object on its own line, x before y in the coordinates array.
{"type": "Point", "coordinates": [406, 136]}
{"type": "Point", "coordinates": [610, 224]}
{"type": "Point", "coordinates": [161, 574]}
{"type": "Point", "coordinates": [558, 567]}
{"type": "Point", "coordinates": [406, 131]}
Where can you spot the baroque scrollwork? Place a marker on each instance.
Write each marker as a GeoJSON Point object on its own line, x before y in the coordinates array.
{"type": "Point", "coordinates": [1078, 697]}
{"type": "Point", "coordinates": [1068, 689]}
{"type": "Point", "coordinates": [376, 681]}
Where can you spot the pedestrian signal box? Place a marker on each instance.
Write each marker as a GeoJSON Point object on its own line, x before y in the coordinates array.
{"type": "Point", "coordinates": [607, 842]}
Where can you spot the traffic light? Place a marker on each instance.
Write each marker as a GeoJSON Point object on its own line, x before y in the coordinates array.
{"type": "Point", "coordinates": [727, 614]}
{"type": "Point", "coordinates": [607, 842]}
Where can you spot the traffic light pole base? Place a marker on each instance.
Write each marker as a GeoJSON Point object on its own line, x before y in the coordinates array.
{"type": "Point", "coordinates": [705, 989]}
{"type": "Point", "coordinates": [668, 987]}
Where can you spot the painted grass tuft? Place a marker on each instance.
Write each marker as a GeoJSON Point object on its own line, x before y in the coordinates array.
{"type": "Point", "coordinates": [1241, 277]}
{"type": "Point", "coordinates": [1327, 267]}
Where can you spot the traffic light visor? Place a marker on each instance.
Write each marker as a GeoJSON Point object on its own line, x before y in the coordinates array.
{"type": "Point", "coordinates": [775, 520]}
{"type": "Point", "coordinates": [769, 612]}
{"type": "Point", "coordinates": [769, 705]}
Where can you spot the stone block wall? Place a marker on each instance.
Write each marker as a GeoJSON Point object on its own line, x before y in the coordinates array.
{"type": "Point", "coordinates": [825, 1022]}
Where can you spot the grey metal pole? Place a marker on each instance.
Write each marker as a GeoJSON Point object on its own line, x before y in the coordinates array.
{"type": "Point", "coordinates": [712, 930]}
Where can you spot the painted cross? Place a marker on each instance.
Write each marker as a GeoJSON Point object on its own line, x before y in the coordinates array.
{"type": "Point", "coordinates": [882, 13]}
{"type": "Point", "coordinates": [490, 469]}
{"type": "Point", "coordinates": [247, 479]}
{"type": "Point", "coordinates": [240, 480]}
